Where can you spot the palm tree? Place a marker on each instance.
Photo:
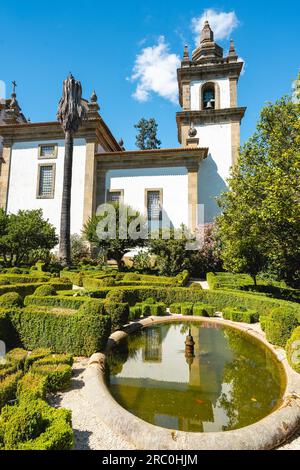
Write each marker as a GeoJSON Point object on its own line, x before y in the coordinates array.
{"type": "Point", "coordinates": [70, 114]}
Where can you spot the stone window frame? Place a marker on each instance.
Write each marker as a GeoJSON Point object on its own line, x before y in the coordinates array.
{"type": "Point", "coordinates": [111, 191]}
{"type": "Point", "coordinates": [217, 94]}
{"type": "Point", "coordinates": [52, 195]}
{"type": "Point", "coordinates": [161, 194]}
{"type": "Point", "coordinates": [47, 157]}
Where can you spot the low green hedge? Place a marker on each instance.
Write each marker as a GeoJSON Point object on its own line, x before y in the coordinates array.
{"type": "Point", "coordinates": [149, 309]}
{"type": "Point", "coordinates": [34, 425]}
{"type": "Point", "coordinates": [23, 278]}
{"type": "Point", "coordinates": [293, 350]}
{"type": "Point", "coordinates": [75, 333]}
{"type": "Point", "coordinates": [59, 301]}
{"type": "Point", "coordinates": [75, 278]}
{"type": "Point", "coordinates": [17, 357]}
{"type": "Point", "coordinates": [55, 359]}
{"type": "Point", "coordinates": [58, 376]}
{"type": "Point", "coordinates": [135, 313]}
{"type": "Point", "coordinates": [119, 314]}
{"type": "Point", "coordinates": [36, 355]}
{"type": "Point", "coordinates": [279, 326]}
{"type": "Point", "coordinates": [182, 308]}
{"type": "Point", "coordinates": [204, 310]}
{"type": "Point", "coordinates": [32, 386]}
{"type": "Point", "coordinates": [11, 299]}
{"type": "Point", "coordinates": [45, 291]}
{"type": "Point", "coordinates": [8, 387]}
{"type": "Point", "coordinates": [28, 289]}
{"type": "Point", "coordinates": [240, 315]}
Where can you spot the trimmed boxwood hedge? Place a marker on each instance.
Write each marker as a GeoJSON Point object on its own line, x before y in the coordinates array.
{"type": "Point", "coordinates": [203, 310]}
{"type": "Point", "coordinates": [34, 425]}
{"type": "Point", "coordinates": [8, 387]}
{"type": "Point", "coordinates": [119, 314]}
{"type": "Point", "coordinates": [11, 299]}
{"type": "Point", "coordinates": [76, 333]}
{"type": "Point", "coordinates": [59, 301]}
{"type": "Point", "coordinates": [240, 315]}
{"type": "Point", "coordinates": [36, 355]}
{"type": "Point", "coordinates": [293, 350]}
{"type": "Point", "coordinates": [279, 326]}
{"type": "Point", "coordinates": [17, 357]}
{"type": "Point", "coordinates": [32, 386]}
{"type": "Point", "coordinates": [58, 376]}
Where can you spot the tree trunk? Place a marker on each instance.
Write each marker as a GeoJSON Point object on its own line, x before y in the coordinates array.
{"type": "Point", "coordinates": [65, 221]}
{"type": "Point", "coordinates": [254, 279]}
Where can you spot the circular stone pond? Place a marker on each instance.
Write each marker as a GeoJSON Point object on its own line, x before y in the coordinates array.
{"type": "Point", "coordinates": [197, 377]}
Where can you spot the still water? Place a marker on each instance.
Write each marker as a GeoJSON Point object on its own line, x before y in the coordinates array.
{"type": "Point", "coordinates": [227, 380]}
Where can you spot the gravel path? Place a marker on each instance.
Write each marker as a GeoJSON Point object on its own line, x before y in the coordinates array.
{"type": "Point", "coordinates": [89, 431]}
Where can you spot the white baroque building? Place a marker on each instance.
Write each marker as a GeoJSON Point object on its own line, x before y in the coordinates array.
{"type": "Point", "coordinates": [169, 182]}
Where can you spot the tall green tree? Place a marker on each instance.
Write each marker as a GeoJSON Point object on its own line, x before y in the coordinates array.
{"type": "Point", "coordinates": [70, 114]}
{"type": "Point", "coordinates": [22, 234]}
{"type": "Point", "coordinates": [260, 222]}
{"type": "Point", "coordinates": [146, 138]}
{"type": "Point", "coordinates": [116, 231]}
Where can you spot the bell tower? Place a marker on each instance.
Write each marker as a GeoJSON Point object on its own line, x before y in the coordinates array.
{"type": "Point", "coordinates": [210, 115]}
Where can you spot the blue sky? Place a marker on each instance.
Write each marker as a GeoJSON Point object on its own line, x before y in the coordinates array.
{"type": "Point", "coordinates": [101, 43]}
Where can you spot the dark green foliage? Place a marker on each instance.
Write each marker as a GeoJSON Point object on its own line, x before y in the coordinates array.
{"type": "Point", "coordinates": [204, 310]}
{"type": "Point", "coordinates": [135, 313]}
{"type": "Point", "coordinates": [117, 296]}
{"type": "Point", "coordinates": [22, 234]}
{"type": "Point", "coordinates": [35, 355]}
{"type": "Point", "coordinates": [175, 308]}
{"type": "Point", "coordinates": [280, 325]}
{"type": "Point", "coordinates": [119, 314]}
{"type": "Point", "coordinates": [17, 357]}
{"type": "Point", "coordinates": [92, 307]}
{"type": "Point", "coordinates": [293, 350]}
{"type": "Point", "coordinates": [58, 376]}
{"type": "Point", "coordinates": [32, 386]}
{"type": "Point", "coordinates": [76, 333]}
{"type": "Point", "coordinates": [11, 299]}
{"type": "Point", "coordinates": [75, 277]}
{"type": "Point", "coordinates": [240, 315]}
{"type": "Point", "coordinates": [33, 425]}
{"type": "Point", "coordinates": [146, 138]}
{"type": "Point", "coordinates": [8, 387]}
{"type": "Point", "coordinates": [187, 308]}
{"type": "Point", "coordinates": [45, 291]}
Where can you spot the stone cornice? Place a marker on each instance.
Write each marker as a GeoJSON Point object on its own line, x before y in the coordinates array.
{"type": "Point", "coordinates": [211, 116]}
{"type": "Point", "coordinates": [92, 130]}
{"type": "Point", "coordinates": [197, 71]}
{"type": "Point", "coordinates": [189, 158]}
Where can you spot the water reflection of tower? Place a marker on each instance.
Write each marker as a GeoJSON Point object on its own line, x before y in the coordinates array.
{"type": "Point", "coordinates": [152, 352]}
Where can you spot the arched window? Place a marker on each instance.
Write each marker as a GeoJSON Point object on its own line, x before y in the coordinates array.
{"type": "Point", "coordinates": [208, 96]}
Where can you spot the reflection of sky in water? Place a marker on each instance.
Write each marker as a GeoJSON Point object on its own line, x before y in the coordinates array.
{"type": "Point", "coordinates": [161, 385]}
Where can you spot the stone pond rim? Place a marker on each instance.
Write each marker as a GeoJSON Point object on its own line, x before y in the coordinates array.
{"type": "Point", "coordinates": [267, 433]}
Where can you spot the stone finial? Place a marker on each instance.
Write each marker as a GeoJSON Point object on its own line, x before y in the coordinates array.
{"type": "Point", "coordinates": [13, 112]}
{"type": "Point", "coordinates": [186, 55]}
{"type": "Point", "coordinates": [232, 52]}
{"type": "Point", "coordinates": [94, 97]}
{"type": "Point", "coordinates": [93, 107]}
{"type": "Point", "coordinates": [207, 34]}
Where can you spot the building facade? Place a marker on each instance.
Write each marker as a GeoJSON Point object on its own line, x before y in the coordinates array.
{"type": "Point", "coordinates": [166, 184]}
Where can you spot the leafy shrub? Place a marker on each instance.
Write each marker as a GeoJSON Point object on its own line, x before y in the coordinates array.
{"type": "Point", "coordinates": [58, 376]}
{"type": "Point", "coordinates": [135, 313]}
{"type": "Point", "coordinates": [58, 301]}
{"type": "Point", "coordinates": [56, 359]}
{"type": "Point", "coordinates": [7, 369]}
{"type": "Point", "coordinates": [175, 308]}
{"type": "Point", "coordinates": [212, 281]}
{"type": "Point", "coordinates": [8, 388]}
{"type": "Point", "coordinates": [76, 278]}
{"type": "Point", "coordinates": [92, 307]}
{"type": "Point", "coordinates": [293, 350]}
{"type": "Point", "coordinates": [117, 296]}
{"type": "Point", "coordinates": [35, 355]}
{"type": "Point", "coordinates": [150, 301]}
{"type": "Point", "coordinates": [32, 386]}
{"type": "Point", "coordinates": [263, 319]}
{"type": "Point", "coordinates": [204, 310]}
{"type": "Point", "coordinates": [280, 325]}
{"type": "Point", "coordinates": [75, 333]}
{"type": "Point", "coordinates": [11, 299]}
{"type": "Point", "coordinates": [132, 277]}
{"type": "Point", "coordinates": [196, 286]}
{"type": "Point", "coordinates": [17, 357]}
{"type": "Point", "coordinates": [240, 315]}
{"type": "Point", "coordinates": [45, 291]}
{"type": "Point", "coordinates": [186, 309]}
{"type": "Point", "coordinates": [119, 314]}
{"type": "Point", "coordinates": [33, 425]}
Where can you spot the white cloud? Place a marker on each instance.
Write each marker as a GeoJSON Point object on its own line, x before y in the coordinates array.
{"type": "Point", "coordinates": [155, 71]}
{"type": "Point", "coordinates": [240, 59]}
{"type": "Point", "coordinates": [222, 23]}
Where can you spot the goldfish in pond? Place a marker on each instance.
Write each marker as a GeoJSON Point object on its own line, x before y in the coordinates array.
{"type": "Point", "coordinates": [200, 402]}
